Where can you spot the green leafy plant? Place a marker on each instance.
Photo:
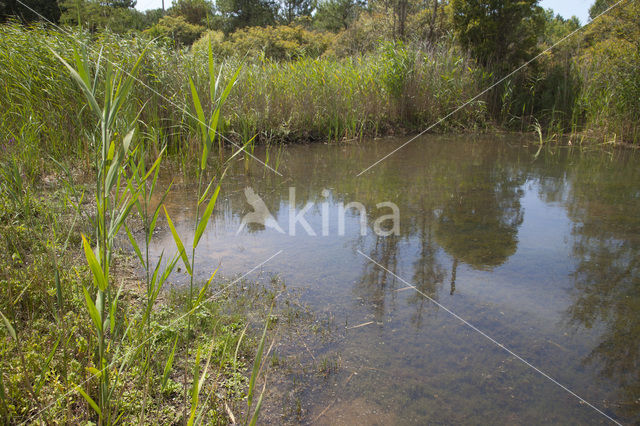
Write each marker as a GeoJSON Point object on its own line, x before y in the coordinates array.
{"type": "Point", "coordinates": [208, 127]}
{"type": "Point", "coordinates": [115, 195]}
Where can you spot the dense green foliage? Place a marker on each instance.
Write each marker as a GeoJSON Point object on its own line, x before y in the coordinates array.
{"type": "Point", "coordinates": [95, 16]}
{"type": "Point", "coordinates": [280, 42]}
{"type": "Point", "coordinates": [336, 15]}
{"type": "Point", "coordinates": [610, 73]}
{"type": "Point", "coordinates": [34, 10]}
{"type": "Point", "coordinates": [588, 82]}
{"type": "Point", "coordinates": [307, 98]}
{"type": "Point", "coordinates": [299, 83]}
{"type": "Point", "coordinates": [502, 33]}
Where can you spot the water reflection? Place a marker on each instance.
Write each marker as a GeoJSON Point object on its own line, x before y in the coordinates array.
{"type": "Point", "coordinates": [375, 283]}
{"type": "Point", "coordinates": [478, 225]}
{"type": "Point", "coordinates": [514, 245]}
{"type": "Point", "coordinates": [428, 272]}
{"type": "Point", "coordinates": [604, 208]}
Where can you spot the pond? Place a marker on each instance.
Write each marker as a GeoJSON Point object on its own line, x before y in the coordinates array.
{"type": "Point", "coordinates": [505, 290]}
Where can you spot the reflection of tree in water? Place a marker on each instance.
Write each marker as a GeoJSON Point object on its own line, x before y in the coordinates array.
{"type": "Point", "coordinates": [604, 205]}
{"type": "Point", "coordinates": [375, 280]}
{"type": "Point", "coordinates": [470, 207]}
{"type": "Point", "coordinates": [428, 274]}
{"type": "Point", "coordinates": [478, 225]}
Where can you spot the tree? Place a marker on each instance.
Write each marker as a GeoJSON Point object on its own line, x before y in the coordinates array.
{"type": "Point", "coordinates": [428, 21]}
{"type": "Point", "coordinates": [127, 4]}
{"type": "Point", "coordinates": [195, 12]}
{"type": "Point", "coordinates": [432, 24]}
{"type": "Point", "coordinates": [337, 15]}
{"type": "Point", "coordinates": [152, 16]}
{"type": "Point", "coordinates": [556, 27]}
{"type": "Point", "coordinates": [46, 10]}
{"type": "Point", "coordinates": [610, 71]}
{"type": "Point", "coordinates": [177, 29]}
{"type": "Point", "coordinates": [247, 13]}
{"type": "Point", "coordinates": [599, 6]}
{"type": "Point", "coordinates": [291, 9]}
{"type": "Point", "coordinates": [95, 15]}
{"type": "Point", "coordinates": [400, 10]}
{"type": "Point", "coordinates": [503, 33]}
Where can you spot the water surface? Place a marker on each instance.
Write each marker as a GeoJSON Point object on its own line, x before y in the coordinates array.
{"type": "Point", "coordinates": [540, 254]}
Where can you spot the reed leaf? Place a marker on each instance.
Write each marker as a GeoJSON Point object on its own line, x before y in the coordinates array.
{"type": "Point", "coordinates": [84, 85]}
{"type": "Point", "coordinates": [205, 287]}
{"type": "Point", "coordinates": [93, 311]}
{"type": "Point", "coordinates": [112, 310]}
{"type": "Point", "coordinates": [7, 324]}
{"type": "Point", "coordinates": [168, 364]}
{"type": "Point", "coordinates": [90, 400]}
{"type": "Point", "coordinates": [198, 107]}
{"type": "Point", "coordinates": [256, 412]}
{"type": "Point", "coordinates": [134, 244]}
{"type": "Point", "coordinates": [257, 362]}
{"type": "Point", "coordinates": [178, 241]}
{"type": "Point", "coordinates": [45, 366]}
{"type": "Point", "coordinates": [94, 265]}
{"type": "Point", "coordinates": [195, 387]}
{"type": "Point", "coordinates": [205, 217]}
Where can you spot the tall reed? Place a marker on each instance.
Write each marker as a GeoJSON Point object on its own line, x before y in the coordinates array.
{"type": "Point", "coordinates": [115, 195]}
{"type": "Point", "coordinates": [208, 127]}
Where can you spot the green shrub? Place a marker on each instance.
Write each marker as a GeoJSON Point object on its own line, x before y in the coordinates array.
{"type": "Point", "coordinates": [611, 73]}
{"type": "Point", "coordinates": [176, 29]}
{"type": "Point", "coordinates": [279, 42]}
{"type": "Point", "coordinates": [364, 35]}
{"type": "Point", "coordinates": [202, 44]}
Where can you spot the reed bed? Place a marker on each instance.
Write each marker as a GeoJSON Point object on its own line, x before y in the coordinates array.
{"type": "Point", "coordinates": [396, 89]}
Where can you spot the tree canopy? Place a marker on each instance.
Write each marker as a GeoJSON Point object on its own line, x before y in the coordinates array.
{"type": "Point", "coordinates": [503, 33]}
{"type": "Point", "coordinates": [37, 9]}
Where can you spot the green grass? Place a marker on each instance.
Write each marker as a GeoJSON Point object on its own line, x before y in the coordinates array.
{"type": "Point", "coordinates": [54, 348]}
{"type": "Point", "coordinates": [77, 350]}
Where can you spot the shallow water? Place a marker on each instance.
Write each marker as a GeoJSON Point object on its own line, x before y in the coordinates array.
{"type": "Point", "coordinates": [540, 255]}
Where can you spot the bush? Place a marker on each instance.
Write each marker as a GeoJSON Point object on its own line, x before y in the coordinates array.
{"type": "Point", "coordinates": [364, 35]}
{"type": "Point", "coordinates": [202, 44]}
{"type": "Point", "coordinates": [177, 30]}
{"type": "Point", "coordinates": [279, 42]}
{"type": "Point", "coordinates": [611, 75]}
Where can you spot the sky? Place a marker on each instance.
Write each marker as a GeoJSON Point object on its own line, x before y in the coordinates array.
{"type": "Point", "coordinates": [566, 8]}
